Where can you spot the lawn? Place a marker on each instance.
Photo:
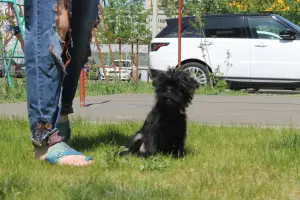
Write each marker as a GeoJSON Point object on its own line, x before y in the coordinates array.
{"type": "Point", "coordinates": [96, 88]}
{"type": "Point", "coordinates": [221, 163]}
{"type": "Point", "coordinates": [92, 88]}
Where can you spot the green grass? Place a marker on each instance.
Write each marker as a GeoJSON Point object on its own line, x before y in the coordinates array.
{"type": "Point", "coordinates": [221, 163]}
{"type": "Point", "coordinates": [92, 88]}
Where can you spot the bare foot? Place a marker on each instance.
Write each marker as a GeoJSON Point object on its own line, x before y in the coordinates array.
{"type": "Point", "coordinates": [72, 160]}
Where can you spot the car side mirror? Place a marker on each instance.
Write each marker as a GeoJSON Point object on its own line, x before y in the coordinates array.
{"type": "Point", "coordinates": [288, 34]}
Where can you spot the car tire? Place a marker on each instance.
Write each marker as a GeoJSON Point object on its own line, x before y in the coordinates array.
{"type": "Point", "coordinates": [201, 71]}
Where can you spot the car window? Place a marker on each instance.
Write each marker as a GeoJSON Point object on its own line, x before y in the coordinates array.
{"type": "Point", "coordinates": [123, 63]}
{"type": "Point", "coordinates": [265, 28]}
{"type": "Point", "coordinates": [188, 29]}
{"type": "Point", "coordinates": [116, 63]}
{"type": "Point", "coordinates": [267, 35]}
{"type": "Point", "coordinates": [126, 64]}
{"type": "Point", "coordinates": [170, 31]}
{"type": "Point", "coordinates": [224, 27]}
{"type": "Point", "coordinates": [289, 23]}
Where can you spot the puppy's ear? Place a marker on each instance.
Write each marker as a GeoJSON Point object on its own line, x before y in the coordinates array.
{"type": "Point", "coordinates": [190, 81]}
{"type": "Point", "coordinates": [159, 76]}
{"type": "Point", "coordinates": [154, 82]}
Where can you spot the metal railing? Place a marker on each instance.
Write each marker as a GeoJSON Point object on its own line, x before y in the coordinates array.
{"type": "Point", "coordinates": [5, 57]}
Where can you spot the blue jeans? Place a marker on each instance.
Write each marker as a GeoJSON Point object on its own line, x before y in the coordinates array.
{"type": "Point", "coordinates": [50, 85]}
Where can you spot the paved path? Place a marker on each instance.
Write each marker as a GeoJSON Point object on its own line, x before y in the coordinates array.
{"type": "Point", "coordinates": [227, 110]}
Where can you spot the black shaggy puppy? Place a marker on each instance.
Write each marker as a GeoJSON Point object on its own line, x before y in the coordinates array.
{"type": "Point", "coordinates": [164, 129]}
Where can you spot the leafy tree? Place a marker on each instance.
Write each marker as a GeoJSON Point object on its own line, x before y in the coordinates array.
{"type": "Point", "coordinates": [287, 8]}
{"type": "Point", "coordinates": [194, 7]}
{"type": "Point", "coordinates": [126, 20]}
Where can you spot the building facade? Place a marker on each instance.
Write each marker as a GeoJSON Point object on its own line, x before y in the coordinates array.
{"type": "Point", "coordinates": [161, 18]}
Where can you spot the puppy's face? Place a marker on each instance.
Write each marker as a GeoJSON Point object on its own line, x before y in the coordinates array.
{"type": "Point", "coordinates": [175, 88]}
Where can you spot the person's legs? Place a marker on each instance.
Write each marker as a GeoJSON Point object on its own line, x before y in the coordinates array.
{"type": "Point", "coordinates": [20, 38]}
{"type": "Point", "coordinates": [18, 34]}
{"type": "Point", "coordinates": [81, 25]}
{"type": "Point", "coordinates": [44, 77]}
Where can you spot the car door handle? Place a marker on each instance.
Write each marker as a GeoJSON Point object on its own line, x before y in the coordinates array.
{"type": "Point", "coordinates": [206, 43]}
{"type": "Point", "coordinates": [260, 45]}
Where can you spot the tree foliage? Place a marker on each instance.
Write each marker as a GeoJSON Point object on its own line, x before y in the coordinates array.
{"type": "Point", "coordinates": [126, 20]}
{"type": "Point", "coordinates": [193, 7]}
{"type": "Point", "coordinates": [287, 8]}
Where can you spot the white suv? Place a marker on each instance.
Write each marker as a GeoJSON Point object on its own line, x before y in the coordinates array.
{"type": "Point", "coordinates": [248, 50]}
{"type": "Point", "coordinates": [128, 71]}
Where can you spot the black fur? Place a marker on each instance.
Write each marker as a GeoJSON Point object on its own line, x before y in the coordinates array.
{"type": "Point", "coordinates": [164, 129]}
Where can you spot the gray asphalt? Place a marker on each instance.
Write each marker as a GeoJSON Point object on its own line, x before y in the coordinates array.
{"type": "Point", "coordinates": [215, 110]}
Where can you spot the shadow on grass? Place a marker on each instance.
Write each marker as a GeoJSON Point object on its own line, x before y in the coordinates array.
{"type": "Point", "coordinates": [112, 137]}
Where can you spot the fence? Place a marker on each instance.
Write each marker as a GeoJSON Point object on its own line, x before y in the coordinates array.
{"type": "Point", "coordinates": [127, 54]}
{"type": "Point", "coordinates": [104, 57]}
{"type": "Point", "coordinates": [7, 57]}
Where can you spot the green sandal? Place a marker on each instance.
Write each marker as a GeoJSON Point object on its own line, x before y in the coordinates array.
{"type": "Point", "coordinates": [60, 150]}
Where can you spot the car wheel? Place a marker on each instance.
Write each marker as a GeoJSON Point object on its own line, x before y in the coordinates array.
{"type": "Point", "coordinates": [198, 71]}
